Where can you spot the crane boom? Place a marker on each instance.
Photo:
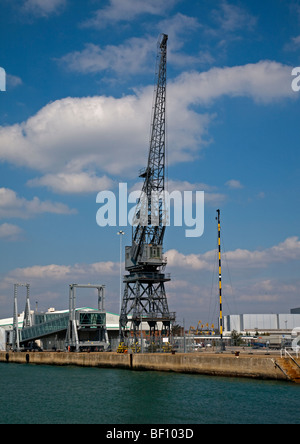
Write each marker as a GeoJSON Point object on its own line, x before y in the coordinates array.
{"type": "Point", "coordinates": [154, 174]}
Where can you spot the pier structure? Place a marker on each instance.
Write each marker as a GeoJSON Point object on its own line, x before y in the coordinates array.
{"type": "Point", "coordinates": [27, 316]}
{"type": "Point", "coordinates": [87, 329]}
{"type": "Point", "coordinates": [257, 366]}
{"type": "Point", "coordinates": [74, 330]}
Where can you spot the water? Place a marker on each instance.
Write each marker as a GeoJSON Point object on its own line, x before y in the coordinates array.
{"type": "Point", "coordinates": [72, 395]}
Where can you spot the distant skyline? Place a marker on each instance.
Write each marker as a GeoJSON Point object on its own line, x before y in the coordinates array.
{"type": "Point", "coordinates": [75, 121]}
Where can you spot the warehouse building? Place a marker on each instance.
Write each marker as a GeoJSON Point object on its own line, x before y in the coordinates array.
{"type": "Point", "coordinates": [263, 323]}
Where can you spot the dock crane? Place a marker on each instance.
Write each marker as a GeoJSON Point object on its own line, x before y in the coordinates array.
{"type": "Point", "coordinates": [144, 298]}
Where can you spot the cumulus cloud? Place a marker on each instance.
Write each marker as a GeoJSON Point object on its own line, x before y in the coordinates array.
{"type": "Point", "coordinates": [76, 183]}
{"type": "Point", "coordinates": [249, 294]}
{"type": "Point", "coordinates": [240, 258]}
{"type": "Point", "coordinates": [232, 17]}
{"type": "Point", "coordinates": [212, 196]}
{"type": "Point", "coordinates": [234, 184]}
{"type": "Point", "coordinates": [50, 284]}
{"type": "Point", "coordinates": [127, 10]}
{"type": "Point", "coordinates": [13, 206]}
{"type": "Point", "coordinates": [264, 82]}
{"type": "Point", "coordinates": [13, 81]}
{"type": "Point", "coordinates": [92, 135]}
{"type": "Point", "coordinates": [134, 55]}
{"type": "Point", "coordinates": [77, 133]}
{"type": "Point", "coordinates": [293, 44]}
{"type": "Point", "coordinates": [249, 291]}
{"type": "Point", "coordinates": [59, 273]}
{"type": "Point", "coordinates": [44, 8]}
{"type": "Point", "coordinates": [189, 261]}
{"type": "Point", "coordinates": [281, 253]}
{"type": "Point", "coordinates": [130, 57]}
{"type": "Point", "coordinates": [10, 232]}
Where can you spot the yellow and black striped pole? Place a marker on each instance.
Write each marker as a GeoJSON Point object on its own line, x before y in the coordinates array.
{"type": "Point", "coordinates": [220, 276]}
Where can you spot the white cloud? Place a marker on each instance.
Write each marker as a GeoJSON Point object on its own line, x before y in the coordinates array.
{"type": "Point", "coordinates": [130, 57]}
{"type": "Point", "coordinates": [73, 183]}
{"type": "Point", "coordinates": [212, 197]}
{"type": "Point", "coordinates": [13, 81]}
{"type": "Point", "coordinates": [249, 290]}
{"type": "Point", "coordinates": [59, 273]}
{"type": "Point", "coordinates": [234, 184]}
{"type": "Point", "coordinates": [12, 206]}
{"type": "Point", "coordinates": [134, 55]}
{"type": "Point", "coordinates": [259, 296]}
{"type": "Point", "coordinates": [293, 44]}
{"type": "Point", "coordinates": [96, 134]}
{"type": "Point", "coordinates": [264, 82]}
{"type": "Point", "coordinates": [127, 10]}
{"type": "Point", "coordinates": [180, 28]}
{"type": "Point", "coordinates": [49, 284]}
{"type": "Point", "coordinates": [232, 17]}
{"type": "Point", "coordinates": [281, 253]}
{"type": "Point", "coordinates": [44, 8]}
{"type": "Point", "coordinates": [54, 275]}
{"type": "Point", "coordinates": [184, 185]}
{"type": "Point", "coordinates": [81, 133]}
{"type": "Point", "coordinates": [189, 292]}
{"type": "Point", "coordinates": [10, 232]}
{"type": "Point", "coordinates": [189, 261]}
{"type": "Point", "coordinates": [296, 40]}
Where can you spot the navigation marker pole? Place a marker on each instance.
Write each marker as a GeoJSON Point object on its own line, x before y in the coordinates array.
{"type": "Point", "coordinates": [220, 279]}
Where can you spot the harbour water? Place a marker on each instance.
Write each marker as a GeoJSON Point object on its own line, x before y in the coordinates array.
{"type": "Point", "coordinates": [71, 395]}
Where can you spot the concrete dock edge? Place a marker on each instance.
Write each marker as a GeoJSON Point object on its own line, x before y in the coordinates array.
{"type": "Point", "coordinates": [249, 366]}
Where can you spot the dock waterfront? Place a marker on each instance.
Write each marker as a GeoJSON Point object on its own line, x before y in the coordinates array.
{"type": "Point", "coordinates": [256, 366]}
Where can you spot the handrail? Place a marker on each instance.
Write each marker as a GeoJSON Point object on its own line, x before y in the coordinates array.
{"type": "Point", "coordinates": [288, 354]}
{"type": "Point", "coordinates": [280, 368]}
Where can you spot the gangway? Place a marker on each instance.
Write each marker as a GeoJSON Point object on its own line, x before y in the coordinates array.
{"type": "Point", "coordinates": [81, 328]}
{"type": "Point", "coordinates": [54, 323]}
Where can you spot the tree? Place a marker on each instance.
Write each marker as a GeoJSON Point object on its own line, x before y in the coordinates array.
{"type": "Point", "coordinates": [236, 338]}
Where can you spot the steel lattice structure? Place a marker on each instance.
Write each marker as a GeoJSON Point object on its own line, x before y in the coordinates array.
{"type": "Point", "coordinates": [144, 294]}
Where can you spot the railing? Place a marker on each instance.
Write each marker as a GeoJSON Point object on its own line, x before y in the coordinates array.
{"type": "Point", "coordinates": [148, 276]}
{"type": "Point", "coordinates": [287, 354]}
{"type": "Point", "coordinates": [160, 316]}
{"type": "Point", "coordinates": [280, 368]}
{"type": "Point", "coordinates": [51, 326]}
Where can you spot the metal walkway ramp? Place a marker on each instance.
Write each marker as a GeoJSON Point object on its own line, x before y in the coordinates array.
{"type": "Point", "coordinates": [56, 324]}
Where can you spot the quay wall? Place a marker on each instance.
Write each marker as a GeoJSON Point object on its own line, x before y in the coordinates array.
{"type": "Point", "coordinates": [250, 366]}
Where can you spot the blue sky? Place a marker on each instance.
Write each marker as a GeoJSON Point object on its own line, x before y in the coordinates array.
{"type": "Point", "coordinates": [75, 120]}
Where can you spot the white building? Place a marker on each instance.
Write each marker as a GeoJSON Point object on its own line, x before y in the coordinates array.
{"type": "Point", "coordinates": [250, 323]}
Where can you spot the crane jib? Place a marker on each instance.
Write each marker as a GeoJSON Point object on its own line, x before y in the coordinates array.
{"type": "Point", "coordinates": [154, 173]}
